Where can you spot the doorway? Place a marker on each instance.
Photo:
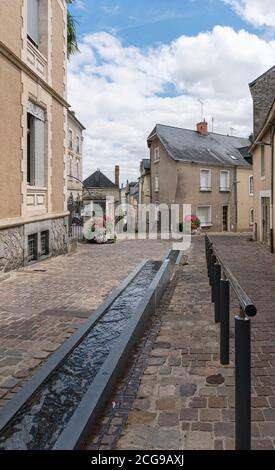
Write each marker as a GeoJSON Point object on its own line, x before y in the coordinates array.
{"type": "Point", "coordinates": [265, 203]}
{"type": "Point", "coordinates": [225, 218]}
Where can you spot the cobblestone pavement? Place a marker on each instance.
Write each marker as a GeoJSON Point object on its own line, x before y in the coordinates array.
{"type": "Point", "coordinates": [185, 399]}
{"type": "Point", "coordinates": [42, 305]}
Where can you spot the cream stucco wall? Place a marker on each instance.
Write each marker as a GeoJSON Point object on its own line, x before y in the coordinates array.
{"type": "Point", "coordinates": [245, 201]}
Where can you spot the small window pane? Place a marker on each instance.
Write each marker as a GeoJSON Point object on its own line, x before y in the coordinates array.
{"type": "Point", "coordinates": [33, 20]}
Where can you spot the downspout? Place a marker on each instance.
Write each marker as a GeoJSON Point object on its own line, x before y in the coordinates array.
{"type": "Point", "coordinates": [272, 189]}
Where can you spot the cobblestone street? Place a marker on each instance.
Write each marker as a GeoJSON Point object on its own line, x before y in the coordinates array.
{"type": "Point", "coordinates": [42, 305]}
{"type": "Point", "coordinates": [176, 395]}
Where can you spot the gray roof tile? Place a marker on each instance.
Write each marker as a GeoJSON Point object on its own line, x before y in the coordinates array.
{"type": "Point", "coordinates": [214, 149]}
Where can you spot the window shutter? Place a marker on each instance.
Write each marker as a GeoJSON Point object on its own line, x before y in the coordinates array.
{"type": "Point", "coordinates": [33, 20]}
{"type": "Point", "coordinates": [39, 153]}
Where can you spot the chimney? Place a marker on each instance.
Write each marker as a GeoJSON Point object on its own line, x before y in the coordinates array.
{"type": "Point", "coordinates": [202, 128]}
{"type": "Point", "coordinates": [117, 175]}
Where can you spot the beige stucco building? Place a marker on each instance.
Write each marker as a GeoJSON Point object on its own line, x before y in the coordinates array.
{"type": "Point", "coordinates": [74, 164]}
{"type": "Point", "coordinates": [144, 182]}
{"type": "Point", "coordinates": [262, 151]}
{"type": "Point", "coordinates": [33, 130]}
{"type": "Point", "coordinates": [207, 170]}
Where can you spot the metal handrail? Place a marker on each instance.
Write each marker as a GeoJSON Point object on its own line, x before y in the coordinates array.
{"type": "Point", "coordinates": [246, 303]}
{"type": "Point", "coordinates": [220, 279]}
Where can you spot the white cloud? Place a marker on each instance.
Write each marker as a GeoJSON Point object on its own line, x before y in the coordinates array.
{"type": "Point", "coordinates": [120, 93]}
{"type": "Point", "coordinates": [256, 12]}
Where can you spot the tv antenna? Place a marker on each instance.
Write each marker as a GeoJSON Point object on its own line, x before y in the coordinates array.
{"type": "Point", "coordinates": [202, 105]}
{"type": "Point", "coordinates": [232, 130]}
{"type": "Point", "coordinates": [212, 124]}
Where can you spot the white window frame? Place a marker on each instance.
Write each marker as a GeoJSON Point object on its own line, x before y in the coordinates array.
{"type": "Point", "coordinates": [156, 155]}
{"type": "Point", "coordinates": [209, 189]}
{"type": "Point", "coordinates": [205, 224]}
{"type": "Point", "coordinates": [227, 189]}
{"type": "Point", "coordinates": [156, 183]}
{"type": "Point", "coordinates": [251, 218]}
{"type": "Point", "coordinates": [250, 178]}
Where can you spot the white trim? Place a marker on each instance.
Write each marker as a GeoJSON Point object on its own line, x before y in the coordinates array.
{"type": "Point", "coordinates": [156, 160]}
{"type": "Point", "coordinates": [207, 224]}
{"type": "Point", "coordinates": [208, 189]}
{"type": "Point", "coordinates": [225, 189]}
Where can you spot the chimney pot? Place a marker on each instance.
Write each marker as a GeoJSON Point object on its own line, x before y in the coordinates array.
{"type": "Point", "coordinates": [117, 175]}
{"type": "Point", "coordinates": [202, 128]}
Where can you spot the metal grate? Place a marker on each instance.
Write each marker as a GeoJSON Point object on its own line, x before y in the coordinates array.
{"type": "Point", "coordinates": [45, 243]}
{"type": "Point", "coordinates": [32, 247]}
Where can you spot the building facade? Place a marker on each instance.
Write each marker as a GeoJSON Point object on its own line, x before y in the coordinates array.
{"type": "Point", "coordinates": [207, 170]}
{"type": "Point", "coordinates": [262, 151]}
{"type": "Point", "coordinates": [74, 165]}
{"type": "Point", "coordinates": [145, 182]}
{"type": "Point", "coordinates": [33, 123]}
{"type": "Point", "coordinates": [101, 191]}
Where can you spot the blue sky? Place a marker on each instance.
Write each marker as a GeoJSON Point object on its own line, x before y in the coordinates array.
{"type": "Point", "coordinates": [143, 62]}
{"type": "Point", "coordinates": [150, 22]}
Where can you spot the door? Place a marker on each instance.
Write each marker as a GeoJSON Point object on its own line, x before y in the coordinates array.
{"type": "Point", "coordinates": [266, 220]}
{"type": "Point", "coordinates": [225, 218]}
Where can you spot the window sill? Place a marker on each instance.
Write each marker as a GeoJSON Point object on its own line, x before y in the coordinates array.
{"type": "Point", "coordinates": [206, 190]}
{"type": "Point", "coordinates": [36, 188]}
{"type": "Point", "coordinates": [156, 161]}
{"type": "Point", "coordinates": [207, 225]}
{"type": "Point", "coordinates": [262, 178]}
{"type": "Point", "coordinates": [225, 190]}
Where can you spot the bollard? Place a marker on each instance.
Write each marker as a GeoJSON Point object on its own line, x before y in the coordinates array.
{"type": "Point", "coordinates": [243, 382]}
{"type": "Point", "coordinates": [224, 316]}
{"type": "Point", "coordinates": [217, 278]}
{"type": "Point", "coordinates": [213, 261]}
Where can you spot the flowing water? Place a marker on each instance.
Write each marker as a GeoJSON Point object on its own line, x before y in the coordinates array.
{"type": "Point", "coordinates": [39, 423]}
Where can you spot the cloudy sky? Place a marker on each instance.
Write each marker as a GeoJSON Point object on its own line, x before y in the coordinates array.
{"type": "Point", "coordinates": [148, 62]}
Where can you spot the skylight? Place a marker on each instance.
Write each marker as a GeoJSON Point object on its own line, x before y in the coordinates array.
{"type": "Point", "coordinates": [233, 157]}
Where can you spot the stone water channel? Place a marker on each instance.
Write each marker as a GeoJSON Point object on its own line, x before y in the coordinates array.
{"type": "Point", "coordinates": [42, 419]}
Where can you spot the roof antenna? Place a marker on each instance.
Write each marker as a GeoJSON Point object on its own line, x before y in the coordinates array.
{"type": "Point", "coordinates": [212, 124]}
{"type": "Point", "coordinates": [232, 131]}
{"type": "Point", "coordinates": [202, 105]}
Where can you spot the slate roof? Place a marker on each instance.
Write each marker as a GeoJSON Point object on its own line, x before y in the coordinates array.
{"type": "Point", "coordinates": [214, 149]}
{"type": "Point", "coordinates": [98, 180]}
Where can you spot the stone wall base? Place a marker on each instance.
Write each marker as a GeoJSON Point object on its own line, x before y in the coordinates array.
{"type": "Point", "coordinates": [14, 242]}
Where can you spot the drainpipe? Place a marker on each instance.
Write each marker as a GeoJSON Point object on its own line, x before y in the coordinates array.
{"type": "Point", "coordinates": [272, 188]}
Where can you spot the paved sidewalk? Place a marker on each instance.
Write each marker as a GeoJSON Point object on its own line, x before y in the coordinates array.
{"type": "Point", "coordinates": [186, 399]}
{"type": "Point", "coordinates": [42, 305]}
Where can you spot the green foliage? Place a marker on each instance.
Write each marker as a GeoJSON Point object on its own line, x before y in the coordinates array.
{"type": "Point", "coordinates": [72, 46]}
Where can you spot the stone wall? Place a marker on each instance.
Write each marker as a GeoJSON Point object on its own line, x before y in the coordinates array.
{"type": "Point", "coordinates": [262, 91]}
{"type": "Point", "coordinates": [11, 249]}
{"type": "Point", "coordinates": [14, 242]}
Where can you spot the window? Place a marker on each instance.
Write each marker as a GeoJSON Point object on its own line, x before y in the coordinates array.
{"type": "Point", "coordinates": [251, 216]}
{"type": "Point", "coordinates": [156, 155]}
{"type": "Point", "coordinates": [77, 170]}
{"type": "Point", "coordinates": [204, 215]}
{"type": "Point", "coordinates": [205, 181]}
{"type": "Point", "coordinates": [251, 186]}
{"type": "Point", "coordinates": [44, 238]}
{"type": "Point", "coordinates": [156, 183]}
{"type": "Point", "coordinates": [78, 145]}
{"type": "Point", "coordinates": [71, 167]}
{"type": "Point", "coordinates": [35, 145]}
{"type": "Point", "coordinates": [70, 139]}
{"type": "Point", "coordinates": [262, 161]}
{"type": "Point", "coordinates": [33, 21]}
{"type": "Point", "coordinates": [32, 247]}
{"type": "Point", "coordinates": [224, 180]}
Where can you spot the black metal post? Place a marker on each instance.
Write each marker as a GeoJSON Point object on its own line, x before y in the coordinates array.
{"type": "Point", "coordinates": [213, 261]}
{"type": "Point", "coordinates": [224, 316]}
{"type": "Point", "coordinates": [243, 382]}
{"type": "Point", "coordinates": [217, 278]}
{"type": "Point", "coordinates": [210, 252]}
